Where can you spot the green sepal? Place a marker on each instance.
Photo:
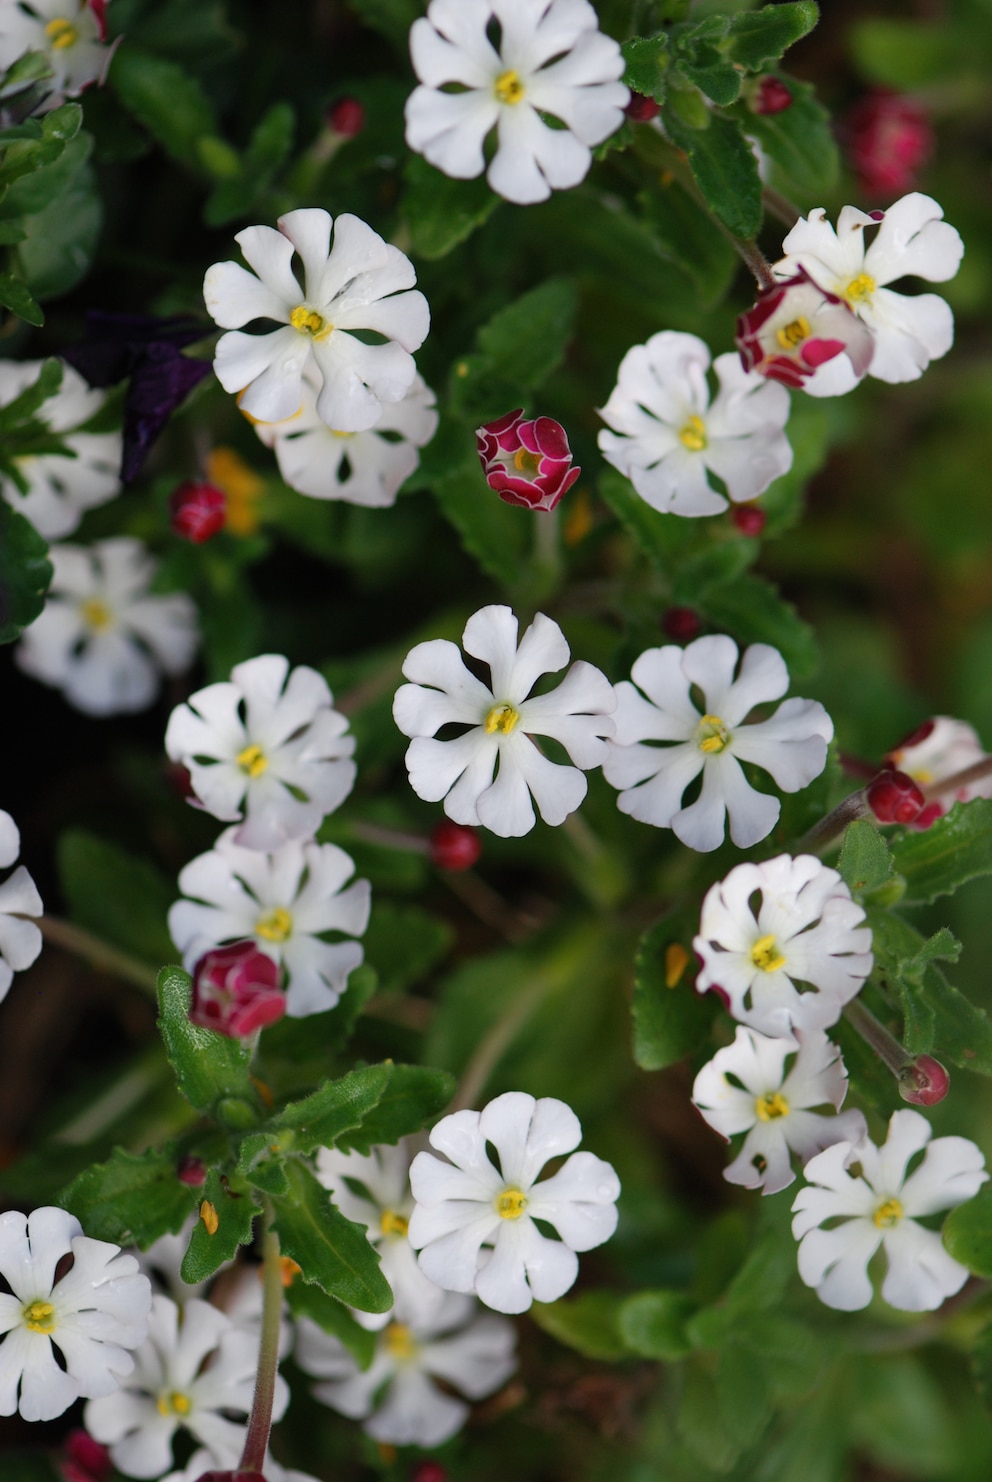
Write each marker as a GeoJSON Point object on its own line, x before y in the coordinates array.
{"type": "Point", "coordinates": [131, 1199]}
{"type": "Point", "coordinates": [725, 169]}
{"type": "Point", "coordinates": [587, 1323]}
{"type": "Point", "coordinates": [234, 1205]}
{"type": "Point", "coordinates": [414, 1096]}
{"type": "Point", "coordinates": [669, 1022]}
{"type": "Point", "coordinates": [25, 573]}
{"type": "Point", "coordinates": [761, 36]}
{"type": "Point", "coordinates": [652, 1324]}
{"type": "Point", "coordinates": [955, 848]}
{"type": "Point", "coordinates": [320, 1120]}
{"type": "Point", "coordinates": [209, 1067]}
{"type": "Point", "coordinates": [441, 212]}
{"type": "Point", "coordinates": [306, 1300]}
{"type": "Point", "coordinates": [967, 1233]}
{"type": "Point", "coordinates": [331, 1251]}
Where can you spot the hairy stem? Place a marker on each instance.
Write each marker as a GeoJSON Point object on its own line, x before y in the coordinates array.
{"type": "Point", "coordinates": [778, 205]}
{"type": "Point", "coordinates": [98, 953]}
{"type": "Point", "coordinates": [876, 1036]}
{"type": "Point", "coordinates": [260, 1420]}
{"type": "Point", "coordinates": [831, 828]}
{"type": "Point", "coordinates": [975, 773]}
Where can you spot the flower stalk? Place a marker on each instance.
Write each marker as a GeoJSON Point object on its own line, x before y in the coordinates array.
{"type": "Point", "coordinates": [260, 1420]}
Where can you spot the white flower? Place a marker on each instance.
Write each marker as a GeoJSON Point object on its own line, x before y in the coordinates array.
{"type": "Point", "coordinates": [939, 748]}
{"type": "Point", "coordinates": [745, 1088]}
{"type": "Point", "coordinates": [667, 438]}
{"type": "Point", "coordinates": [64, 1290]}
{"type": "Point", "coordinates": [20, 941]}
{"type": "Point", "coordinates": [355, 286]}
{"type": "Point", "coordinates": [286, 900]}
{"type": "Point", "coordinates": [791, 745]}
{"type": "Point", "coordinates": [500, 723]}
{"type": "Point", "coordinates": [70, 33]}
{"type": "Point", "coordinates": [61, 489]}
{"type": "Point", "coordinates": [474, 1224]}
{"type": "Point", "coordinates": [395, 1397]}
{"type": "Point", "coordinates": [103, 639]}
{"type": "Point", "coordinates": [806, 930]}
{"type": "Point", "coordinates": [881, 1207]}
{"type": "Point", "coordinates": [360, 467]}
{"type": "Point", "coordinates": [174, 1387]}
{"type": "Point", "coordinates": [912, 240]}
{"type": "Point", "coordinates": [384, 1206]}
{"type": "Point", "coordinates": [550, 59]}
{"type": "Point", "coordinates": [265, 746]}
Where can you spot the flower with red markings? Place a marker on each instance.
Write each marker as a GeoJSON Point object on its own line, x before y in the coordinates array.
{"type": "Point", "coordinates": [454, 846]}
{"type": "Point", "coordinates": [796, 327]}
{"type": "Point", "coordinates": [236, 990]}
{"type": "Point", "coordinates": [772, 96]}
{"type": "Point", "coordinates": [936, 751]}
{"type": "Point", "coordinates": [895, 798]}
{"type": "Point", "coordinates": [346, 116]}
{"type": "Point", "coordinates": [197, 511]}
{"type": "Point", "coordinates": [924, 1081]}
{"type": "Point", "coordinates": [526, 462]}
{"type": "Point", "coordinates": [888, 139]}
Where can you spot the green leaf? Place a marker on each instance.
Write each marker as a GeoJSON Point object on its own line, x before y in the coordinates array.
{"type": "Point", "coordinates": [865, 861]}
{"type": "Point", "coordinates": [758, 1285]}
{"type": "Point", "coordinates": [714, 565]}
{"type": "Point", "coordinates": [496, 534]}
{"type": "Point", "coordinates": [587, 1323]}
{"type": "Point", "coordinates": [166, 99]}
{"type": "Point", "coordinates": [414, 1096]}
{"type": "Point", "coordinates": [904, 54]}
{"type": "Point", "coordinates": [23, 407]}
{"type": "Point", "coordinates": [131, 1199]}
{"type": "Point", "coordinates": [743, 1393]}
{"type": "Point", "coordinates": [663, 538]}
{"type": "Point", "coordinates": [688, 237]}
{"type": "Point", "coordinates": [306, 1300]}
{"type": "Point", "coordinates": [670, 1022]}
{"type": "Point", "coordinates": [647, 62]}
{"type": "Point", "coordinates": [262, 1163]}
{"type": "Point", "coordinates": [34, 192]}
{"type": "Point", "coordinates": [25, 573]}
{"type": "Point", "coordinates": [761, 36]}
{"type": "Point", "coordinates": [403, 944]}
{"type": "Point", "coordinates": [60, 240]}
{"type": "Point", "coordinates": [708, 70]}
{"type": "Point", "coordinates": [751, 610]}
{"type": "Point", "coordinates": [119, 896]}
{"type": "Point", "coordinates": [235, 1208]}
{"type": "Point", "coordinates": [294, 1040]}
{"type": "Point", "coordinates": [442, 212]}
{"type": "Point", "coordinates": [725, 168]}
{"type": "Point", "coordinates": [939, 1019]}
{"type": "Point", "coordinates": [955, 848]}
{"type": "Point", "coordinates": [967, 1233]}
{"type": "Point", "coordinates": [516, 351]}
{"type": "Point", "coordinates": [391, 18]}
{"type": "Point", "coordinates": [799, 140]}
{"type": "Point", "coordinates": [652, 1324]}
{"type": "Point", "coordinates": [331, 1251]}
{"type": "Point", "coordinates": [243, 182]}
{"type": "Point", "coordinates": [14, 295]}
{"type": "Point", "coordinates": [334, 1108]}
{"type": "Point", "coordinates": [209, 1067]}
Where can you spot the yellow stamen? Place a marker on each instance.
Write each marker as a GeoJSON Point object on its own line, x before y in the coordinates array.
{"type": "Point", "coordinates": [791, 335]}
{"type": "Point", "coordinates": [771, 1106]}
{"type": "Point", "coordinates": [501, 718]}
{"type": "Point", "coordinates": [766, 954]}
{"type": "Point", "coordinates": [39, 1317]}
{"type": "Point", "coordinates": [392, 1223]}
{"type": "Point", "coordinates": [887, 1214]}
{"type": "Point", "coordinates": [922, 775]}
{"type": "Point", "coordinates": [208, 1215]}
{"type": "Point", "coordinates": [252, 760]}
{"type": "Point", "coordinates": [400, 1342]}
{"type": "Point", "coordinates": [275, 926]}
{"type": "Point", "coordinates": [61, 34]}
{"type": "Point", "coordinates": [693, 435]}
{"type": "Point", "coordinates": [173, 1403]}
{"type": "Point", "coordinates": [860, 288]}
{"type": "Point", "coordinates": [676, 962]}
{"type": "Point", "coordinates": [336, 433]}
{"type": "Point", "coordinates": [508, 87]}
{"type": "Point", "coordinates": [511, 1204]}
{"type": "Point", "coordinates": [96, 614]}
{"type": "Point", "coordinates": [308, 321]}
{"type": "Point", "coordinates": [526, 462]}
{"type": "Point", "coordinates": [712, 735]}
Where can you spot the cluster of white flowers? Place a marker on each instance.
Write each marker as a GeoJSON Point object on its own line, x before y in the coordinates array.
{"type": "Point", "coordinates": [70, 34]}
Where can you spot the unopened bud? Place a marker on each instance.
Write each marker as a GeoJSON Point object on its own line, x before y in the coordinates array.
{"type": "Point", "coordinates": [238, 1475]}
{"type": "Point", "coordinates": [895, 798]}
{"type": "Point", "coordinates": [772, 96]}
{"type": "Point", "coordinates": [454, 846]}
{"type": "Point", "coordinates": [749, 519]}
{"type": "Point", "coordinates": [236, 990]}
{"type": "Point", "coordinates": [197, 511]}
{"type": "Point", "coordinates": [84, 1460]}
{"type": "Point", "coordinates": [192, 1171]}
{"type": "Point", "coordinates": [429, 1471]}
{"type": "Point", "coordinates": [642, 109]}
{"type": "Point", "coordinates": [345, 117]}
{"type": "Point", "coordinates": [682, 624]}
{"type": "Point", "coordinates": [924, 1081]}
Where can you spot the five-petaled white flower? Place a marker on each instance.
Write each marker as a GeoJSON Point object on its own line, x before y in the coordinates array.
{"type": "Point", "coordinates": [550, 58]}
{"type": "Point", "coordinates": [878, 1205]}
{"type": "Point", "coordinates": [912, 240]}
{"type": "Point", "coordinates": [395, 1396]}
{"type": "Point", "coordinates": [20, 941]}
{"type": "Point", "coordinates": [173, 1387]}
{"type": "Point", "coordinates": [67, 1291]}
{"type": "Point", "coordinates": [474, 1224]}
{"type": "Point", "coordinates": [266, 746]}
{"type": "Point", "coordinates": [938, 749]}
{"type": "Point", "coordinates": [806, 930]}
{"type": "Point", "coordinates": [500, 722]}
{"type": "Point", "coordinates": [361, 284]}
{"type": "Point", "coordinates": [667, 437]}
{"type": "Point", "coordinates": [60, 488]}
{"type": "Point", "coordinates": [286, 900]}
{"type": "Point", "coordinates": [69, 33]}
{"type": "Point", "coordinates": [360, 467]}
{"type": "Point", "coordinates": [103, 639]}
{"type": "Point", "coordinates": [746, 1088]}
{"type": "Point", "coordinates": [791, 745]}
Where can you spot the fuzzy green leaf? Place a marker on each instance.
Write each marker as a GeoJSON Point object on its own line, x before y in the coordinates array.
{"type": "Point", "coordinates": [334, 1108]}
{"type": "Point", "coordinates": [306, 1300]}
{"type": "Point", "coordinates": [967, 1233]}
{"type": "Point", "coordinates": [953, 850]}
{"type": "Point", "coordinates": [799, 140]}
{"type": "Point", "coordinates": [516, 351]}
{"type": "Point", "coordinates": [234, 1206]}
{"type": "Point", "coordinates": [725, 168]}
{"type": "Point", "coordinates": [939, 1019]}
{"type": "Point", "coordinates": [761, 36]}
{"type": "Point", "coordinates": [131, 1199]}
{"type": "Point", "coordinates": [670, 1022]}
{"type": "Point", "coordinates": [647, 60]}
{"type": "Point", "coordinates": [25, 573]}
{"type": "Point", "coordinates": [865, 861]}
{"type": "Point", "coordinates": [331, 1251]}
{"type": "Point", "coordinates": [652, 1324]}
{"type": "Point", "coordinates": [209, 1067]}
{"type": "Point", "coordinates": [414, 1096]}
{"type": "Point", "coordinates": [587, 1323]}
{"type": "Point", "coordinates": [442, 212]}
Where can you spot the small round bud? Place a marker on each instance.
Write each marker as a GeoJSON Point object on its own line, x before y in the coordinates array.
{"type": "Point", "coordinates": [197, 511]}
{"type": "Point", "coordinates": [429, 1471]}
{"type": "Point", "coordinates": [642, 109]}
{"type": "Point", "coordinates": [924, 1081]}
{"type": "Point", "coordinates": [895, 798]}
{"type": "Point", "coordinates": [84, 1460]}
{"type": "Point", "coordinates": [192, 1171]}
{"type": "Point", "coordinates": [749, 519]}
{"type": "Point", "coordinates": [682, 624]}
{"type": "Point", "coordinates": [772, 96]}
{"type": "Point", "coordinates": [345, 117]}
{"type": "Point", "coordinates": [454, 846]}
{"type": "Point", "coordinates": [236, 990]}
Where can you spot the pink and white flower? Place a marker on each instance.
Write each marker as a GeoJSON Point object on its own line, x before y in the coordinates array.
{"type": "Point", "coordinates": [798, 327]}
{"type": "Point", "coordinates": [71, 34]}
{"type": "Point", "coordinates": [936, 750]}
{"type": "Point", "coordinates": [528, 463]}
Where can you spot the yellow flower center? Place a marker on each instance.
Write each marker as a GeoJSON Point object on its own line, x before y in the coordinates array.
{"type": "Point", "coordinates": [96, 614]}
{"type": "Point", "coordinates": [252, 760]}
{"type": "Point", "coordinates": [771, 1106]}
{"type": "Point", "coordinates": [859, 289]}
{"type": "Point", "coordinates": [766, 954]}
{"type": "Point", "coordinates": [61, 33]}
{"type": "Point", "coordinates": [275, 926]}
{"type": "Point", "coordinates": [308, 321]}
{"type": "Point", "coordinates": [400, 1342]}
{"type": "Point", "coordinates": [39, 1317]}
{"type": "Point", "coordinates": [501, 718]}
{"type": "Point", "coordinates": [173, 1403]}
{"type": "Point", "coordinates": [392, 1223]}
{"type": "Point", "coordinates": [526, 462]}
{"type": "Point", "coordinates": [712, 735]}
{"type": "Point", "coordinates": [511, 1204]}
{"type": "Point", "coordinates": [508, 87]}
{"type": "Point", "coordinates": [693, 435]}
{"type": "Point", "coordinates": [888, 1213]}
{"type": "Point", "coordinates": [791, 335]}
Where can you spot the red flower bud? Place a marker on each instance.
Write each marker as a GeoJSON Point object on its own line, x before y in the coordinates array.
{"type": "Point", "coordinates": [772, 96]}
{"type": "Point", "coordinates": [238, 1475]}
{"type": "Point", "coordinates": [345, 117]}
{"type": "Point", "coordinates": [192, 1171]}
{"type": "Point", "coordinates": [887, 139]}
{"type": "Point", "coordinates": [749, 519]}
{"type": "Point", "coordinates": [527, 463]}
{"type": "Point", "coordinates": [683, 624]}
{"type": "Point", "coordinates": [84, 1459]}
{"type": "Point", "coordinates": [641, 109]}
{"type": "Point", "coordinates": [924, 1081]}
{"type": "Point", "coordinates": [454, 846]}
{"type": "Point", "coordinates": [236, 990]}
{"type": "Point", "coordinates": [894, 798]}
{"type": "Point", "coordinates": [429, 1471]}
{"type": "Point", "coordinates": [796, 327]}
{"type": "Point", "coordinates": [197, 511]}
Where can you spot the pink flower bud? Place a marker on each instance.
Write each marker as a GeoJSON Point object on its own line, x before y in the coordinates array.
{"type": "Point", "coordinates": [887, 139]}
{"type": "Point", "coordinates": [796, 327]}
{"type": "Point", "coordinates": [197, 511]}
{"type": "Point", "coordinates": [527, 463]}
{"type": "Point", "coordinates": [642, 109]}
{"type": "Point", "coordinates": [192, 1171]}
{"type": "Point", "coordinates": [772, 96]}
{"type": "Point", "coordinates": [429, 1471]}
{"type": "Point", "coordinates": [749, 519]}
{"type": "Point", "coordinates": [683, 624]}
{"type": "Point", "coordinates": [236, 990]}
{"type": "Point", "coordinates": [346, 117]}
{"type": "Point", "coordinates": [84, 1460]}
{"type": "Point", "coordinates": [894, 798]}
{"type": "Point", "coordinates": [238, 1475]}
{"type": "Point", "coordinates": [924, 1081]}
{"type": "Point", "coordinates": [454, 846]}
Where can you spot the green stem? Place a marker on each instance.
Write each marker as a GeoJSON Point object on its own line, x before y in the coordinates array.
{"type": "Point", "coordinates": [492, 1048]}
{"type": "Point", "coordinates": [886, 1046]}
{"type": "Point", "coordinates": [260, 1420]}
{"type": "Point", "coordinates": [779, 205]}
{"type": "Point", "coordinates": [977, 772]}
{"type": "Point", "coordinates": [98, 953]}
{"type": "Point", "coordinates": [825, 833]}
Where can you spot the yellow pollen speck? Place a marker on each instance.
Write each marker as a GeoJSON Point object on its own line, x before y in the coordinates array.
{"type": "Point", "coordinates": [887, 1214]}
{"type": "Point", "coordinates": [275, 926]}
{"type": "Point", "coordinates": [252, 760]}
{"type": "Point", "coordinates": [511, 1204]}
{"type": "Point", "coordinates": [173, 1403]}
{"type": "Point", "coordinates": [712, 735]}
{"type": "Point", "coordinates": [61, 34]}
{"type": "Point", "coordinates": [392, 1223]}
{"type": "Point", "coordinates": [501, 718]}
{"type": "Point", "coordinates": [676, 962]}
{"type": "Point", "coordinates": [766, 955]}
{"type": "Point", "coordinates": [208, 1215]}
{"type": "Point", "coordinates": [771, 1106]}
{"type": "Point", "coordinates": [400, 1342]}
{"type": "Point", "coordinates": [96, 614]}
{"type": "Point", "coordinates": [693, 435]}
{"type": "Point", "coordinates": [39, 1317]}
{"type": "Point", "coordinates": [922, 775]}
{"type": "Point", "coordinates": [336, 433]}
{"type": "Point", "coordinates": [791, 335]}
{"type": "Point", "coordinates": [308, 321]}
{"type": "Point", "coordinates": [508, 87]}
{"type": "Point", "coordinates": [526, 462]}
{"type": "Point", "coordinates": [860, 288]}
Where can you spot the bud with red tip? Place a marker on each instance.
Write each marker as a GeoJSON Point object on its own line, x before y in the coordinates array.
{"type": "Point", "coordinates": [346, 117]}
{"type": "Point", "coordinates": [192, 1172]}
{"type": "Point", "coordinates": [796, 327]}
{"type": "Point", "coordinates": [682, 624]}
{"type": "Point", "coordinates": [749, 519]}
{"type": "Point", "coordinates": [197, 511]}
{"type": "Point", "coordinates": [236, 990]}
{"type": "Point", "coordinates": [772, 96]}
{"type": "Point", "coordinates": [429, 1471]}
{"type": "Point", "coordinates": [527, 462]}
{"type": "Point", "coordinates": [887, 139]}
{"type": "Point", "coordinates": [454, 846]}
{"type": "Point", "coordinates": [641, 109]}
{"type": "Point", "coordinates": [924, 1081]}
{"type": "Point", "coordinates": [895, 798]}
{"type": "Point", "coordinates": [84, 1460]}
